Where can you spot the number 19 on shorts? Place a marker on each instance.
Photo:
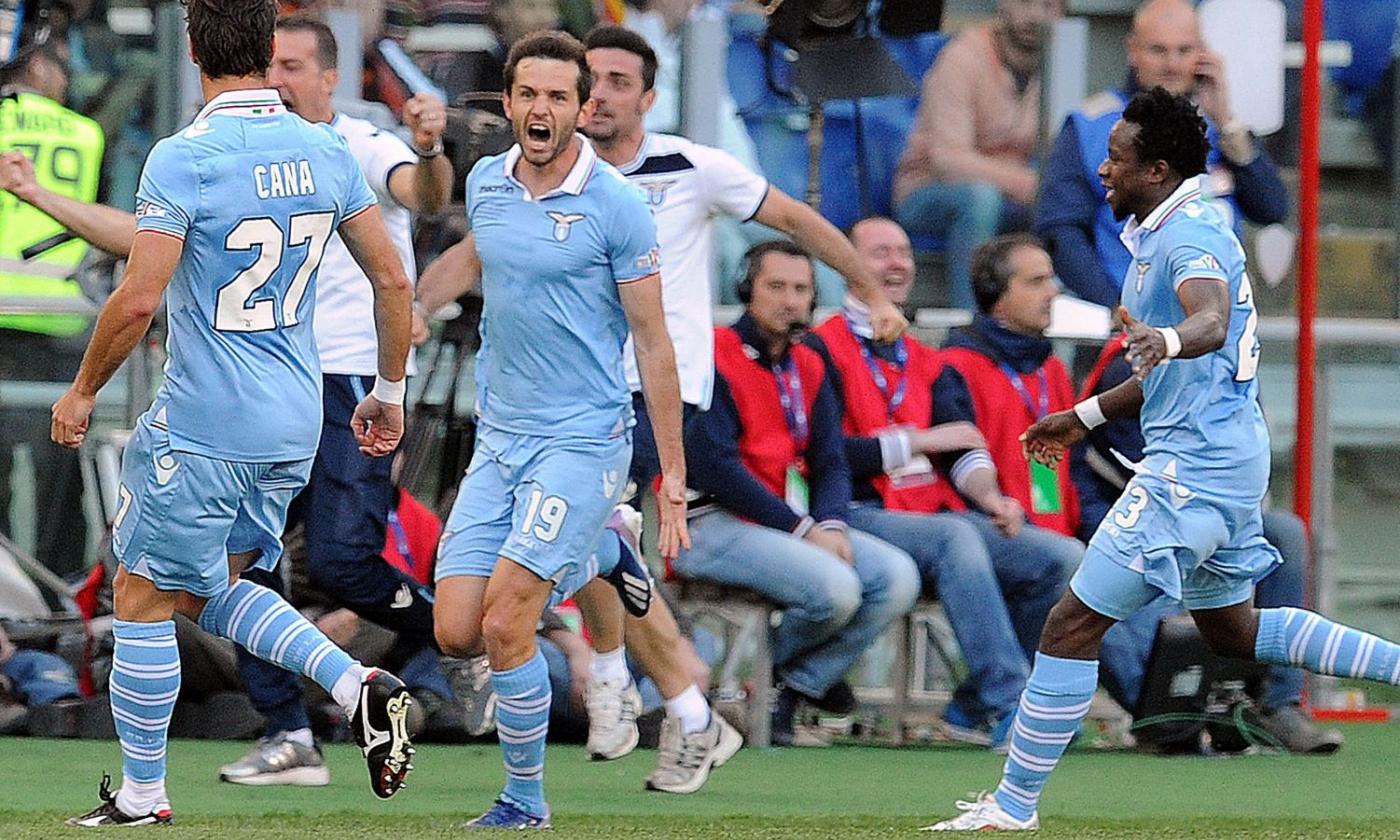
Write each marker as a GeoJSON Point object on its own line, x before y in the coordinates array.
{"type": "Point", "coordinates": [544, 516]}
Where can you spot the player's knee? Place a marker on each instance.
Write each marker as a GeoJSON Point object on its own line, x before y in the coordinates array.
{"type": "Point", "coordinates": [1072, 630]}
{"type": "Point", "coordinates": [455, 635]}
{"type": "Point", "coordinates": [1229, 633]}
{"type": "Point", "coordinates": [504, 625]}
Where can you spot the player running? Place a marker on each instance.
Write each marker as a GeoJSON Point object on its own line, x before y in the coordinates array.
{"type": "Point", "coordinates": [566, 251]}
{"type": "Point", "coordinates": [1189, 522]}
{"type": "Point", "coordinates": [233, 216]}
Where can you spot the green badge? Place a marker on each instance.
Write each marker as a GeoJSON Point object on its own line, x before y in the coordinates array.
{"type": "Point", "coordinates": [1045, 489]}
{"type": "Point", "coordinates": [797, 496]}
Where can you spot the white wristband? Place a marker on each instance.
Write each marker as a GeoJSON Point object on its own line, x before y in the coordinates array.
{"type": "Point", "coordinates": [1090, 413]}
{"type": "Point", "coordinates": [389, 392]}
{"type": "Point", "coordinates": [1173, 341]}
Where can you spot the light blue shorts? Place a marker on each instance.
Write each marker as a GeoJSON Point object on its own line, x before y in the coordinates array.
{"type": "Point", "coordinates": [541, 502]}
{"type": "Point", "coordinates": [1163, 537]}
{"type": "Point", "coordinates": [180, 515]}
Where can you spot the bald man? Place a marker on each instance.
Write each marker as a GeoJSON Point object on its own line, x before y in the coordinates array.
{"type": "Point", "coordinates": [1164, 49]}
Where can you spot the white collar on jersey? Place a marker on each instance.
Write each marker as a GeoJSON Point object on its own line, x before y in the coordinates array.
{"type": "Point", "coordinates": [253, 102]}
{"type": "Point", "coordinates": [637, 160]}
{"type": "Point", "coordinates": [1133, 231]}
{"type": "Point", "coordinates": [573, 183]}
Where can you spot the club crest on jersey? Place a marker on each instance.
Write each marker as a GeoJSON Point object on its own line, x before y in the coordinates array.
{"type": "Point", "coordinates": [1142, 269]}
{"type": "Point", "coordinates": [563, 223]}
{"type": "Point", "coordinates": [656, 191]}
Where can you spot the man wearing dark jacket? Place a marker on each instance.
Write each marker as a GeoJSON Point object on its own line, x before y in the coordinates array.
{"type": "Point", "coordinates": [770, 460]}
{"type": "Point", "coordinates": [1100, 467]}
{"type": "Point", "coordinates": [930, 488]}
{"type": "Point", "coordinates": [1164, 49]}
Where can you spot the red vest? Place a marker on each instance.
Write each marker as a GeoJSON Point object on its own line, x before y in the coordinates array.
{"type": "Point", "coordinates": [865, 409]}
{"type": "Point", "coordinates": [766, 444]}
{"type": "Point", "coordinates": [1002, 415]}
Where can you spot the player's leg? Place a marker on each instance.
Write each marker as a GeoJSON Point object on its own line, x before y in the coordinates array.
{"type": "Point", "coordinates": [514, 600]}
{"type": "Point", "coordinates": [287, 753]}
{"type": "Point", "coordinates": [347, 506]}
{"type": "Point", "coordinates": [612, 696]}
{"type": "Point", "coordinates": [262, 622]}
{"type": "Point", "coordinates": [168, 536]}
{"type": "Point", "coordinates": [1124, 567]}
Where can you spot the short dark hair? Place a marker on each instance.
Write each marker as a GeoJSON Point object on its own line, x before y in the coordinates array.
{"type": "Point", "coordinates": [560, 46]}
{"type": "Point", "coordinates": [991, 266]}
{"type": "Point", "coordinates": [621, 38]}
{"type": "Point", "coordinates": [753, 262]}
{"type": "Point", "coordinates": [327, 51]}
{"type": "Point", "coordinates": [231, 37]}
{"type": "Point", "coordinates": [1170, 129]}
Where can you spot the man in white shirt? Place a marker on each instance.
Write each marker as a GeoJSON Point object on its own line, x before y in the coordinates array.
{"type": "Point", "coordinates": [345, 505]}
{"type": "Point", "coordinates": [688, 185]}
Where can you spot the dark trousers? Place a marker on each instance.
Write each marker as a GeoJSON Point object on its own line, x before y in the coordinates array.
{"type": "Point", "coordinates": [60, 527]}
{"type": "Point", "coordinates": [646, 461]}
{"type": "Point", "coordinates": [344, 507]}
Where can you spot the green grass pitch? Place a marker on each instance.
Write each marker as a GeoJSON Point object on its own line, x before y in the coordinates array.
{"type": "Point", "coordinates": [842, 792]}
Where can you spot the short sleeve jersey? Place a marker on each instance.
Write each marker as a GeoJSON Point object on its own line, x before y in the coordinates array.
{"type": "Point", "coordinates": [553, 327]}
{"type": "Point", "coordinates": [255, 194]}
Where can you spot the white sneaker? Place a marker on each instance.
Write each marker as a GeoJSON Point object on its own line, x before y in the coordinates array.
{"type": "Point", "coordinates": [612, 718]}
{"type": "Point", "coordinates": [685, 761]}
{"type": "Point", "coordinates": [984, 814]}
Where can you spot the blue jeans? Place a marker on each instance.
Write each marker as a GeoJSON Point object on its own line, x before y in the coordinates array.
{"type": "Point", "coordinates": [965, 216]}
{"type": "Point", "coordinates": [954, 563]}
{"type": "Point", "coordinates": [831, 612]}
{"type": "Point", "coordinates": [1127, 647]}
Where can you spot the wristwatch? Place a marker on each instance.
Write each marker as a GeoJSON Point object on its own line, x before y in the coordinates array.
{"type": "Point", "coordinates": [430, 153]}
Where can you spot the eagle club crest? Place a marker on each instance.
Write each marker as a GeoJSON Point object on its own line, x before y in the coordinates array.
{"type": "Point", "coordinates": [656, 191]}
{"type": "Point", "coordinates": [1142, 269]}
{"type": "Point", "coordinates": [563, 223]}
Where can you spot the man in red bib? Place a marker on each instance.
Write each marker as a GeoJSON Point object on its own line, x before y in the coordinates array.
{"type": "Point", "coordinates": [770, 459]}
{"type": "Point", "coordinates": [930, 487]}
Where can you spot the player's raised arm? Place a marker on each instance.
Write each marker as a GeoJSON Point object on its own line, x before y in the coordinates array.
{"type": "Point", "coordinates": [424, 187]}
{"type": "Point", "coordinates": [107, 228]}
{"type": "Point", "coordinates": [378, 420]}
{"type": "Point", "coordinates": [813, 232]}
{"type": "Point", "coordinates": [656, 362]}
{"type": "Point", "coordinates": [124, 320]}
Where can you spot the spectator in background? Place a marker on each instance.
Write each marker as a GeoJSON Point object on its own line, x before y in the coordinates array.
{"type": "Point", "coordinates": [967, 171]}
{"type": "Point", "coordinates": [1164, 49]}
{"type": "Point", "coordinates": [770, 459]}
{"type": "Point", "coordinates": [912, 473]}
{"type": "Point", "coordinates": [60, 151]}
{"type": "Point", "coordinates": [1100, 473]}
{"type": "Point", "coordinates": [1001, 374]}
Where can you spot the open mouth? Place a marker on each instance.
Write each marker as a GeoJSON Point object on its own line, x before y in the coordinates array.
{"type": "Point", "coordinates": [538, 132]}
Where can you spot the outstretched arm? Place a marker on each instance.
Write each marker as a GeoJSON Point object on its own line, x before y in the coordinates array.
{"type": "Point", "coordinates": [107, 228]}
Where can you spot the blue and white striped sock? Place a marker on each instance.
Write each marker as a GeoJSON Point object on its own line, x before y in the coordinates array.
{"type": "Point", "coordinates": [1053, 706]}
{"type": "Point", "coordinates": [1290, 636]}
{"type": "Point", "coordinates": [145, 682]}
{"type": "Point", "coordinates": [522, 721]}
{"type": "Point", "coordinates": [270, 628]}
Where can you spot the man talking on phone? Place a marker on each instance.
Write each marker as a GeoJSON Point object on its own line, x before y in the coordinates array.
{"type": "Point", "coordinates": [1071, 216]}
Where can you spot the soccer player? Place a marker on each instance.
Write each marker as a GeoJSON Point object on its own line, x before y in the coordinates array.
{"type": "Point", "coordinates": [234, 214]}
{"type": "Point", "coordinates": [566, 251]}
{"type": "Point", "coordinates": [1189, 522]}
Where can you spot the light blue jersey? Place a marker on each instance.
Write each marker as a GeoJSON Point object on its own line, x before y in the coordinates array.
{"type": "Point", "coordinates": [1203, 412]}
{"type": "Point", "coordinates": [553, 328]}
{"type": "Point", "coordinates": [255, 193]}
{"type": "Point", "coordinates": [1189, 523]}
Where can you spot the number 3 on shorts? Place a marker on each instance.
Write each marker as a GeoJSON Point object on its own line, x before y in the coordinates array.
{"type": "Point", "coordinates": [1137, 501]}
{"type": "Point", "coordinates": [549, 511]}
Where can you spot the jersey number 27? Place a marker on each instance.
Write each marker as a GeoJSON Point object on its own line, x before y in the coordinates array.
{"type": "Point", "coordinates": [233, 312]}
